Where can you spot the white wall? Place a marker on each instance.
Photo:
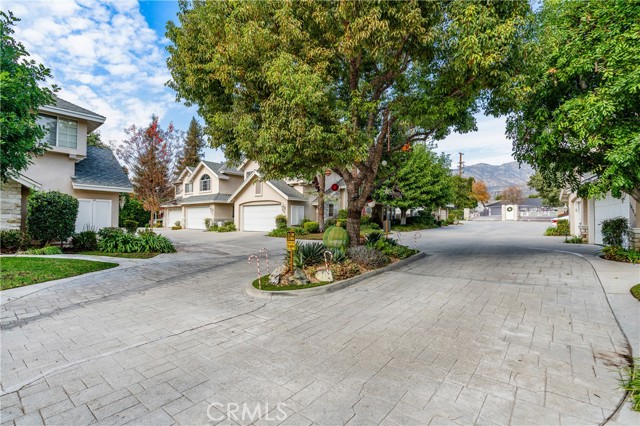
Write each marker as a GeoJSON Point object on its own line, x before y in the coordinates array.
{"type": "Point", "coordinates": [609, 208]}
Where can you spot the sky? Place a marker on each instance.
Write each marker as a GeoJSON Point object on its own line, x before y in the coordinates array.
{"type": "Point", "coordinates": [109, 56]}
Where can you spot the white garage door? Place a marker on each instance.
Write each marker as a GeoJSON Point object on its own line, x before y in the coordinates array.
{"type": "Point", "coordinates": [93, 214]}
{"type": "Point", "coordinates": [196, 217]}
{"type": "Point", "coordinates": [260, 218]}
{"type": "Point", "coordinates": [173, 216]}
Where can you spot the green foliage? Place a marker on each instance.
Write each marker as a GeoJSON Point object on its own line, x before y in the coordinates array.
{"type": "Point", "coordinates": [85, 240]}
{"type": "Point", "coordinates": [631, 383]}
{"type": "Point", "coordinates": [131, 226]}
{"type": "Point", "coordinates": [456, 215]}
{"type": "Point", "coordinates": [615, 231]}
{"type": "Point", "coordinates": [95, 139]}
{"type": "Point", "coordinates": [419, 178]}
{"type": "Point", "coordinates": [463, 197]}
{"type": "Point", "coordinates": [300, 86]}
{"type": "Point", "coordinates": [308, 254]}
{"type": "Point", "coordinates": [342, 214]}
{"type": "Point", "coordinates": [115, 240]}
{"type": "Point", "coordinates": [367, 257]}
{"type": "Point", "coordinates": [576, 239]}
{"type": "Point", "coordinates": [374, 237]}
{"type": "Point", "coordinates": [547, 189]}
{"type": "Point", "coordinates": [282, 232]}
{"type": "Point", "coordinates": [281, 221]}
{"type": "Point", "coordinates": [226, 227]}
{"type": "Point", "coordinates": [133, 210]}
{"type": "Point", "coordinates": [46, 250]}
{"type": "Point", "coordinates": [11, 240]}
{"type": "Point", "coordinates": [335, 237]}
{"type": "Point", "coordinates": [562, 229]}
{"type": "Point", "coordinates": [21, 94]}
{"type": "Point", "coordinates": [575, 112]}
{"type": "Point", "coordinates": [391, 248]}
{"type": "Point", "coordinates": [635, 291]}
{"type": "Point", "coordinates": [311, 227]}
{"type": "Point", "coordinates": [621, 255]}
{"type": "Point", "coordinates": [192, 151]}
{"type": "Point", "coordinates": [339, 255]}
{"type": "Point", "coordinates": [51, 216]}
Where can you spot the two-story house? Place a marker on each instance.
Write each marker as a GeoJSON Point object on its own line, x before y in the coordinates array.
{"type": "Point", "coordinates": [89, 173]}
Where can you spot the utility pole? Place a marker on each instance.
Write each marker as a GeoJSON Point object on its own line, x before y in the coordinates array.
{"type": "Point", "coordinates": [460, 164]}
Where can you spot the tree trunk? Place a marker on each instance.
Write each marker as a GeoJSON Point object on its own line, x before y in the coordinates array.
{"type": "Point", "coordinates": [151, 219]}
{"type": "Point", "coordinates": [321, 184]}
{"type": "Point", "coordinates": [403, 216]}
{"type": "Point", "coordinates": [353, 223]}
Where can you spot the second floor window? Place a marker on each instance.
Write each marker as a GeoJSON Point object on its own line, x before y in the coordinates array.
{"type": "Point", "coordinates": [258, 187]}
{"type": "Point", "coordinates": [188, 188]}
{"type": "Point", "coordinates": [205, 183]}
{"type": "Point", "coordinates": [59, 132]}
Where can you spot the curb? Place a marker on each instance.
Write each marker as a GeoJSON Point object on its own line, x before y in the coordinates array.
{"type": "Point", "coordinates": [330, 288]}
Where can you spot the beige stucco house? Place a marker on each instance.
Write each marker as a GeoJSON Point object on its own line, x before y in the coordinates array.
{"type": "Point", "coordinates": [89, 173]}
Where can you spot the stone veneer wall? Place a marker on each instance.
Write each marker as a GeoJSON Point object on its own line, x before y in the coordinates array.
{"type": "Point", "coordinates": [10, 205]}
{"type": "Point", "coordinates": [635, 238]}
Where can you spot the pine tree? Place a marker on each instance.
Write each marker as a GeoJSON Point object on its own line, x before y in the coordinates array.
{"type": "Point", "coordinates": [193, 146]}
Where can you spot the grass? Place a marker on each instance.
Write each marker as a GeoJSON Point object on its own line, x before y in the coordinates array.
{"type": "Point", "coordinates": [270, 287]}
{"type": "Point", "coordinates": [635, 290]}
{"type": "Point", "coordinates": [632, 384]}
{"type": "Point", "coordinates": [23, 271]}
{"type": "Point", "coordinates": [123, 255]}
{"type": "Point", "coordinates": [413, 227]}
{"type": "Point", "coordinates": [317, 236]}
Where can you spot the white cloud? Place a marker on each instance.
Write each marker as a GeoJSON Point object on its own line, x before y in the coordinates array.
{"type": "Point", "coordinates": [103, 55]}
{"type": "Point", "coordinates": [487, 145]}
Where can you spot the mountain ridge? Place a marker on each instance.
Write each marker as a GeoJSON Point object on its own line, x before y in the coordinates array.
{"type": "Point", "coordinates": [501, 176]}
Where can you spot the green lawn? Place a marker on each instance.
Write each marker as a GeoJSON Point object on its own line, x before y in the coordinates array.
{"type": "Point", "coordinates": [22, 271]}
{"type": "Point", "coordinates": [124, 255]}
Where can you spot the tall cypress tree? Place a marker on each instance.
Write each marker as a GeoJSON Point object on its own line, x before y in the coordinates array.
{"type": "Point", "coordinates": [193, 146]}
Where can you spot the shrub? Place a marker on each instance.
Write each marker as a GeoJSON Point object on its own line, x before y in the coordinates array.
{"type": "Point", "coordinates": [133, 210]}
{"type": "Point", "coordinates": [367, 257]}
{"type": "Point", "coordinates": [339, 255]}
{"type": "Point", "coordinates": [615, 231]}
{"type": "Point", "coordinates": [282, 232]}
{"type": "Point", "coordinates": [365, 220]}
{"type": "Point", "coordinates": [311, 227]}
{"type": "Point", "coordinates": [207, 222]}
{"type": "Point", "coordinates": [46, 250]}
{"type": "Point", "coordinates": [227, 227]}
{"type": "Point", "coordinates": [329, 223]}
{"type": "Point", "coordinates": [561, 230]}
{"type": "Point", "coordinates": [11, 240]}
{"type": "Point", "coordinates": [51, 216]}
{"type": "Point", "coordinates": [620, 254]}
{"type": "Point", "coordinates": [281, 221]}
{"type": "Point", "coordinates": [344, 270]}
{"type": "Point", "coordinates": [149, 241]}
{"type": "Point", "coordinates": [85, 240]}
{"type": "Point", "coordinates": [456, 215]}
{"type": "Point", "coordinates": [131, 226]}
{"type": "Point", "coordinates": [335, 237]}
{"type": "Point", "coordinates": [308, 254]}
{"type": "Point", "coordinates": [371, 225]}
{"type": "Point", "coordinates": [374, 237]}
{"type": "Point", "coordinates": [574, 240]}
{"type": "Point", "coordinates": [342, 214]}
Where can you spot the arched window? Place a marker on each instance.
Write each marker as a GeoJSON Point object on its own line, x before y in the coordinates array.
{"type": "Point", "coordinates": [205, 183]}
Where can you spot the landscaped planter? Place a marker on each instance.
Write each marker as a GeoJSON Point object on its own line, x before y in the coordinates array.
{"type": "Point", "coordinates": [335, 286]}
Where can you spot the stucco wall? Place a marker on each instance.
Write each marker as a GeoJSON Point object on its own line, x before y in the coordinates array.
{"type": "Point", "coordinates": [195, 179]}
{"type": "Point", "coordinates": [223, 212]}
{"type": "Point", "coordinates": [248, 197]}
{"type": "Point", "coordinates": [229, 186]}
{"type": "Point", "coordinates": [10, 205]}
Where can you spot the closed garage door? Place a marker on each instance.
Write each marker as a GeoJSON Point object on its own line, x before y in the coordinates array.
{"type": "Point", "coordinates": [173, 216]}
{"type": "Point", "coordinates": [260, 218]}
{"type": "Point", "coordinates": [93, 214]}
{"type": "Point", "coordinates": [196, 217]}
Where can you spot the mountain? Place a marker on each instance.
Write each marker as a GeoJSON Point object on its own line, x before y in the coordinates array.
{"type": "Point", "coordinates": [499, 177]}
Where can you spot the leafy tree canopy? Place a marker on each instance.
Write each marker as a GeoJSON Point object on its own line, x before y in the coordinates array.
{"type": "Point", "coordinates": [299, 85]}
{"type": "Point", "coordinates": [576, 112]}
{"type": "Point", "coordinates": [512, 195]}
{"type": "Point", "coordinates": [21, 94]}
{"type": "Point", "coordinates": [480, 192]}
{"type": "Point", "coordinates": [549, 193]}
{"type": "Point", "coordinates": [463, 197]}
{"type": "Point", "coordinates": [192, 151]}
{"type": "Point", "coordinates": [95, 139]}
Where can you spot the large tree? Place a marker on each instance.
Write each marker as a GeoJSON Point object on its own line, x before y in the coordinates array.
{"type": "Point", "coordinates": [512, 195]}
{"type": "Point", "coordinates": [480, 192]}
{"type": "Point", "coordinates": [192, 151]}
{"type": "Point", "coordinates": [22, 92]}
{"type": "Point", "coordinates": [576, 113]}
{"type": "Point", "coordinates": [149, 156]}
{"type": "Point", "coordinates": [299, 85]}
{"type": "Point", "coordinates": [463, 197]}
{"type": "Point", "coordinates": [419, 178]}
{"type": "Point", "coordinates": [548, 192]}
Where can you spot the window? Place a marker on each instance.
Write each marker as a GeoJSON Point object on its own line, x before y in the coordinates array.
{"type": "Point", "coordinates": [330, 210]}
{"type": "Point", "coordinates": [258, 187]}
{"type": "Point", "coordinates": [205, 183]}
{"type": "Point", "coordinates": [188, 188]}
{"type": "Point", "coordinates": [297, 215]}
{"type": "Point", "coordinates": [59, 132]}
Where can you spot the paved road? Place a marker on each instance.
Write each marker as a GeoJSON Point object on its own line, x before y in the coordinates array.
{"type": "Point", "coordinates": [486, 330]}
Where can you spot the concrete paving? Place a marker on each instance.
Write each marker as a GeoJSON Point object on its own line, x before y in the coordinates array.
{"type": "Point", "coordinates": [495, 327]}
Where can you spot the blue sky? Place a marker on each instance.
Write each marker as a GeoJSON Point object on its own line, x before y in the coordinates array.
{"type": "Point", "coordinates": [109, 56]}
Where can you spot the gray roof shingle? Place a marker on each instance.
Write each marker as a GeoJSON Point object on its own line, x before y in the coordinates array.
{"type": "Point", "coordinates": [101, 168]}
{"type": "Point", "coordinates": [62, 104]}
{"type": "Point", "coordinates": [222, 168]}
{"type": "Point", "coordinates": [290, 192]}
{"type": "Point", "coordinates": [199, 199]}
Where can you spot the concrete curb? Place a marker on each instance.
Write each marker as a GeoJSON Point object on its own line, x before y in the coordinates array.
{"type": "Point", "coordinates": [330, 288]}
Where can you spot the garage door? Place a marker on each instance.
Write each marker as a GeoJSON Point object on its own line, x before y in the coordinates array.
{"type": "Point", "coordinates": [173, 216]}
{"type": "Point", "coordinates": [260, 218]}
{"type": "Point", "coordinates": [196, 217]}
{"type": "Point", "coordinates": [93, 214]}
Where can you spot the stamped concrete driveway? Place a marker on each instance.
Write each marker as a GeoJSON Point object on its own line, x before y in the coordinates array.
{"type": "Point", "coordinates": [486, 330]}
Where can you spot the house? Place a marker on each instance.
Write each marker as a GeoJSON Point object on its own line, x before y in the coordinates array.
{"type": "Point", "coordinates": [586, 215]}
{"type": "Point", "coordinates": [221, 193]}
{"type": "Point", "coordinates": [90, 174]}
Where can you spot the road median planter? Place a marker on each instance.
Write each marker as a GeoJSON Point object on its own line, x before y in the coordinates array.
{"type": "Point", "coordinates": [335, 286]}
